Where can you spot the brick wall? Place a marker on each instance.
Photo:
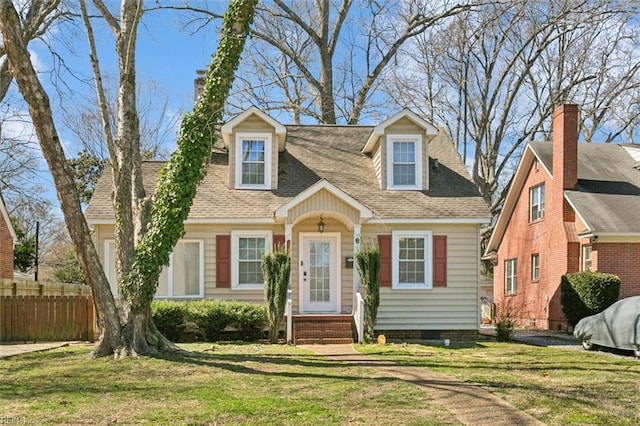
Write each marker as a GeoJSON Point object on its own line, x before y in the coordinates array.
{"type": "Point", "coordinates": [534, 301]}
{"type": "Point", "coordinates": [621, 259]}
{"type": "Point", "coordinates": [537, 303]}
{"type": "Point", "coordinates": [6, 251]}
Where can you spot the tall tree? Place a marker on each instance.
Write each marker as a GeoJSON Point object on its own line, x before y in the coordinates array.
{"type": "Point", "coordinates": [494, 77]}
{"type": "Point", "coordinates": [146, 231]}
{"type": "Point", "coordinates": [40, 110]}
{"type": "Point", "coordinates": [324, 59]}
{"type": "Point", "coordinates": [19, 164]}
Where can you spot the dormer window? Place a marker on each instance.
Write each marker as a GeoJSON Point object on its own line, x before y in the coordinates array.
{"type": "Point", "coordinates": [253, 161]}
{"type": "Point", "coordinates": [404, 162]}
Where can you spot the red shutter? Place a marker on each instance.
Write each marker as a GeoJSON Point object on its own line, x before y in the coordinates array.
{"type": "Point", "coordinates": [384, 241]}
{"type": "Point", "coordinates": [223, 261]}
{"type": "Point", "coordinates": [439, 260]}
{"type": "Point", "coordinates": [278, 240]}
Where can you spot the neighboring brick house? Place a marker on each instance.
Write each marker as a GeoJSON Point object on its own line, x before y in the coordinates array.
{"type": "Point", "coordinates": [327, 190]}
{"type": "Point", "coordinates": [8, 239]}
{"type": "Point", "coordinates": [571, 207]}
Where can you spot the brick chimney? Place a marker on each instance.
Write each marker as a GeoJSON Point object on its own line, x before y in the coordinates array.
{"type": "Point", "coordinates": [564, 136]}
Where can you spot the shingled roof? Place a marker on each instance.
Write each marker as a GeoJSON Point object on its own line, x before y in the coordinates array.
{"type": "Point", "coordinates": [607, 195]}
{"type": "Point", "coordinates": [326, 152]}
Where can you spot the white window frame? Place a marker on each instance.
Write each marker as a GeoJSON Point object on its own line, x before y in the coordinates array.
{"type": "Point", "coordinates": [535, 267]}
{"type": "Point", "coordinates": [540, 204]}
{"type": "Point", "coordinates": [200, 295]}
{"type": "Point", "coordinates": [235, 256]}
{"type": "Point", "coordinates": [510, 277]}
{"type": "Point", "coordinates": [417, 140]}
{"type": "Point", "coordinates": [428, 259]}
{"type": "Point", "coordinates": [268, 144]}
{"type": "Point", "coordinates": [585, 259]}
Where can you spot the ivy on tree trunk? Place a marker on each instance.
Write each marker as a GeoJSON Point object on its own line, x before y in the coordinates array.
{"type": "Point", "coordinates": [133, 332]}
{"type": "Point", "coordinates": [178, 181]}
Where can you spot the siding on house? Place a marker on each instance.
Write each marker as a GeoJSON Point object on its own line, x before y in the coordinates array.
{"type": "Point", "coordinates": [454, 307]}
{"type": "Point", "coordinates": [323, 201]}
{"type": "Point", "coordinates": [377, 165]}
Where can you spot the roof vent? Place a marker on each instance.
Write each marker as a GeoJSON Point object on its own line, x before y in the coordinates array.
{"type": "Point", "coordinates": [436, 165]}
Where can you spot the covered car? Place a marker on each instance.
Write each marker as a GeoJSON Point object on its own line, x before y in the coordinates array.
{"type": "Point", "coordinates": [618, 327]}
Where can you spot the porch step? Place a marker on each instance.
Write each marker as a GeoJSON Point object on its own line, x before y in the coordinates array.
{"type": "Point", "coordinates": [322, 329]}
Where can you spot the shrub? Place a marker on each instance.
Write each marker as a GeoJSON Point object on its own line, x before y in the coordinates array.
{"type": "Point", "coordinates": [505, 320]}
{"type": "Point", "coordinates": [276, 269]}
{"type": "Point", "coordinates": [368, 264]}
{"type": "Point", "coordinates": [249, 319]}
{"type": "Point", "coordinates": [169, 317]}
{"type": "Point", "coordinates": [586, 293]}
{"type": "Point", "coordinates": [208, 319]}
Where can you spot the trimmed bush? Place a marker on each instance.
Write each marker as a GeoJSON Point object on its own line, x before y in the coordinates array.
{"type": "Point", "coordinates": [249, 319]}
{"type": "Point", "coordinates": [208, 319]}
{"type": "Point", "coordinates": [169, 316]}
{"type": "Point", "coordinates": [276, 269]}
{"type": "Point", "coordinates": [368, 264]}
{"type": "Point", "coordinates": [586, 293]}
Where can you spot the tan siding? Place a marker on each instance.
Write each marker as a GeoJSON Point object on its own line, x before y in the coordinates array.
{"type": "Point", "coordinates": [377, 165]}
{"type": "Point", "coordinates": [323, 201]}
{"type": "Point", "coordinates": [454, 307]}
{"type": "Point", "coordinates": [404, 125]}
{"type": "Point", "coordinates": [253, 123]}
{"type": "Point", "coordinates": [206, 233]}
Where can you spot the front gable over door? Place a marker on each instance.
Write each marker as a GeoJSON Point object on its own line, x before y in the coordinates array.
{"type": "Point", "coordinates": [324, 197]}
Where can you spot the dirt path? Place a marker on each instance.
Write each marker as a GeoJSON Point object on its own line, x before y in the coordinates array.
{"type": "Point", "coordinates": [471, 404]}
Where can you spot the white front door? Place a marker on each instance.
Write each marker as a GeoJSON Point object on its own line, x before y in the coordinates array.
{"type": "Point", "coordinates": [320, 272]}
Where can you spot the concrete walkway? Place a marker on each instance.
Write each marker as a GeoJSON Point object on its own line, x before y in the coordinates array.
{"type": "Point", "coordinates": [471, 404]}
{"type": "Point", "coordinates": [9, 350]}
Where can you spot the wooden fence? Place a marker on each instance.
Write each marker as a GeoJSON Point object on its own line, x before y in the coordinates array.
{"type": "Point", "coordinates": [42, 288]}
{"type": "Point", "coordinates": [46, 318]}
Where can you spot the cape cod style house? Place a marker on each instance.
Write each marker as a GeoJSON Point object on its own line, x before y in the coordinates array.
{"type": "Point", "coordinates": [8, 240]}
{"type": "Point", "coordinates": [572, 206]}
{"type": "Point", "coordinates": [326, 190]}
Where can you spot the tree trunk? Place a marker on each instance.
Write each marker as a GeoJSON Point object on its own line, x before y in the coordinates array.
{"type": "Point", "coordinates": [41, 114]}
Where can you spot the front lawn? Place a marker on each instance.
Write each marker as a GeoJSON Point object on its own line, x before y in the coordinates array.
{"type": "Point", "coordinates": [264, 384]}
{"type": "Point", "coordinates": [557, 386]}
{"type": "Point", "coordinates": [233, 384]}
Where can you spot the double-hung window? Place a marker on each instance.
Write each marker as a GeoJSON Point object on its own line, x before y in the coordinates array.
{"type": "Point", "coordinates": [404, 162]}
{"type": "Point", "coordinates": [253, 160]}
{"type": "Point", "coordinates": [247, 249]}
{"type": "Point", "coordinates": [536, 203]}
{"type": "Point", "coordinates": [535, 267]}
{"type": "Point", "coordinates": [586, 258]}
{"type": "Point", "coordinates": [183, 278]}
{"type": "Point", "coordinates": [412, 259]}
{"type": "Point", "coordinates": [510, 275]}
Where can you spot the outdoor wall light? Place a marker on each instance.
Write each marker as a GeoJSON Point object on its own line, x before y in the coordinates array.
{"type": "Point", "coordinates": [321, 225]}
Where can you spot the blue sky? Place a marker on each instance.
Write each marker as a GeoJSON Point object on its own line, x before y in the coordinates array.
{"type": "Point", "coordinates": [166, 53]}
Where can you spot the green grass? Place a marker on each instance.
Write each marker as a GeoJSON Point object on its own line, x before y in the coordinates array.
{"type": "Point", "coordinates": [274, 384]}
{"type": "Point", "coordinates": [557, 386]}
{"type": "Point", "coordinates": [234, 384]}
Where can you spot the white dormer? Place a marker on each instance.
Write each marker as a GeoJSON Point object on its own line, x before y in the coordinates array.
{"type": "Point", "coordinates": [399, 148]}
{"type": "Point", "coordinates": [253, 140]}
